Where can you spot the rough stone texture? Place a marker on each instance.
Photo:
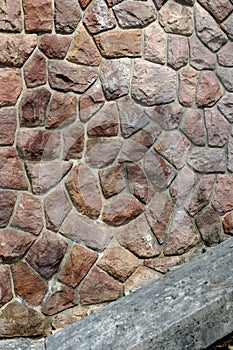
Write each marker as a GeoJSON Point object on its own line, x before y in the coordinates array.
{"type": "Point", "coordinates": [228, 223]}
{"type": "Point", "coordinates": [7, 202]}
{"type": "Point", "coordinates": [155, 44]}
{"type": "Point", "coordinates": [8, 126]}
{"type": "Point", "coordinates": [217, 127]}
{"type": "Point", "coordinates": [73, 138]}
{"type": "Point", "coordinates": [10, 16]}
{"type": "Point", "coordinates": [55, 45]}
{"type": "Point", "coordinates": [227, 26]}
{"type": "Point", "coordinates": [225, 105]}
{"type": "Point", "coordinates": [98, 17]}
{"type": "Point", "coordinates": [138, 183]}
{"type": "Point", "coordinates": [225, 75]}
{"type": "Point", "coordinates": [140, 277]}
{"type": "Point", "coordinates": [193, 126]}
{"type": "Point", "coordinates": [91, 101]}
{"type": "Point", "coordinates": [182, 185]}
{"type": "Point", "coordinates": [230, 154]}
{"type": "Point", "coordinates": [67, 16]}
{"type": "Point", "coordinates": [204, 159]}
{"type": "Point", "coordinates": [11, 86]}
{"type": "Point", "coordinates": [102, 151]}
{"type": "Point", "coordinates": [209, 225]}
{"type": "Point", "coordinates": [60, 299]}
{"type": "Point", "coordinates": [220, 9]}
{"type": "Point", "coordinates": [188, 78]}
{"type": "Point", "coordinates": [200, 56]}
{"type": "Point", "coordinates": [63, 110]}
{"type": "Point", "coordinates": [24, 344]}
{"type": "Point", "coordinates": [164, 264]}
{"type": "Point", "coordinates": [38, 15]}
{"type": "Point", "coordinates": [104, 122]}
{"type": "Point", "coordinates": [168, 116]}
{"type": "Point", "coordinates": [225, 55]}
{"type": "Point", "coordinates": [35, 70]}
{"type": "Point", "coordinates": [5, 285]}
{"type": "Point", "coordinates": [209, 90]}
{"type": "Point", "coordinates": [113, 180]}
{"type": "Point", "coordinates": [178, 51]}
{"type": "Point", "coordinates": [223, 197]}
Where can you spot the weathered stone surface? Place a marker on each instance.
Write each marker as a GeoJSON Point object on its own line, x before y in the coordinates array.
{"type": "Point", "coordinates": [178, 51]}
{"type": "Point", "coordinates": [208, 30]}
{"type": "Point", "coordinates": [77, 264]}
{"type": "Point", "coordinates": [140, 278]}
{"type": "Point", "coordinates": [69, 316]}
{"type": "Point", "coordinates": [227, 26]}
{"type": "Point", "coordinates": [27, 283]}
{"type": "Point", "coordinates": [226, 106]}
{"type": "Point", "coordinates": [56, 208]}
{"type": "Point", "coordinates": [8, 126]}
{"type": "Point", "coordinates": [46, 254]}
{"type": "Point", "coordinates": [86, 231]}
{"type": "Point", "coordinates": [28, 215]}
{"type": "Point", "coordinates": [225, 55]}
{"type": "Point", "coordinates": [205, 159]}
{"type": "Point", "coordinates": [73, 138]}
{"type": "Point", "coordinates": [220, 9]}
{"type": "Point", "coordinates": [209, 225]}
{"type": "Point", "coordinates": [33, 107]}
{"type": "Point", "coordinates": [159, 213]}
{"type": "Point", "coordinates": [132, 150]}
{"type": "Point", "coordinates": [163, 264]}
{"type": "Point", "coordinates": [147, 136]}
{"type": "Point", "coordinates": [11, 171]}
{"type": "Point", "coordinates": [62, 111]}
{"type": "Point", "coordinates": [182, 235]}
{"type": "Point", "coordinates": [55, 45]}
{"type": "Point", "coordinates": [113, 180]}
{"type": "Point", "coordinates": [102, 151]}
{"type": "Point", "coordinates": [188, 78]}
{"type": "Point", "coordinates": [230, 154]}
{"type": "Point", "coordinates": [98, 287]}
{"type": "Point", "coordinates": [209, 90]}
{"type": "Point", "coordinates": [139, 185]}
{"type": "Point", "coordinates": [83, 49]}
{"type": "Point", "coordinates": [60, 298]}
{"type": "Point", "coordinates": [138, 238]}
{"type": "Point", "coordinates": [35, 70]}
{"type": "Point", "coordinates": [182, 185]}
{"type": "Point", "coordinates": [200, 56]}
{"type": "Point", "coordinates": [13, 244]}
{"type": "Point", "coordinates": [84, 191]}
{"type": "Point", "coordinates": [7, 202]}
{"type": "Point", "coordinates": [225, 75]}
{"type": "Point", "coordinates": [24, 344]}
{"type": "Point", "coordinates": [119, 43]}
{"type": "Point", "coordinates": [153, 84]}
{"type": "Point", "coordinates": [91, 102]}
{"type": "Point", "coordinates": [223, 197]}
{"type": "Point", "coordinates": [5, 285]}
{"type": "Point", "coordinates": [84, 3]}
{"type": "Point", "coordinates": [217, 127]}
{"type": "Point", "coordinates": [104, 122]}
{"type": "Point", "coordinates": [38, 16]}
{"type": "Point", "coordinates": [159, 3]}
{"type": "Point", "coordinates": [114, 77]}
{"type": "Point", "coordinates": [67, 16]}
{"type": "Point", "coordinates": [11, 86]}
{"type": "Point", "coordinates": [66, 77]}
{"type": "Point", "coordinates": [10, 16]}
{"type": "Point", "coordinates": [168, 116]}
{"type": "Point", "coordinates": [158, 170]}
{"type": "Point", "coordinates": [155, 44]}
{"type": "Point", "coordinates": [228, 223]}
{"type": "Point", "coordinates": [193, 126]}
{"type": "Point", "coordinates": [176, 18]}
{"type": "Point", "coordinates": [44, 175]}
{"type": "Point", "coordinates": [98, 17]}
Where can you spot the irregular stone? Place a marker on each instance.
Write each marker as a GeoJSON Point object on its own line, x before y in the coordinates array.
{"type": "Point", "coordinates": [139, 185]}
{"type": "Point", "coordinates": [225, 105]}
{"type": "Point", "coordinates": [67, 16]}
{"type": "Point", "coordinates": [209, 90]}
{"type": "Point", "coordinates": [220, 9]}
{"type": "Point", "coordinates": [28, 215]}
{"type": "Point", "coordinates": [223, 197]}
{"type": "Point", "coordinates": [62, 111]}
{"type": "Point", "coordinates": [5, 285]}
{"type": "Point", "coordinates": [114, 77]}
{"type": "Point", "coordinates": [227, 26]}
{"type": "Point", "coordinates": [33, 287]}
{"type": "Point", "coordinates": [217, 127]}
{"type": "Point", "coordinates": [102, 151]}
{"type": "Point", "coordinates": [39, 144]}
{"type": "Point", "coordinates": [60, 298]}
{"type": "Point", "coordinates": [99, 287]}
{"type": "Point", "coordinates": [13, 244]}
{"type": "Point", "coordinates": [118, 263]}
{"type": "Point", "coordinates": [200, 56]}
{"type": "Point", "coordinates": [141, 277]}
{"type": "Point", "coordinates": [208, 29]}
{"type": "Point", "coordinates": [209, 225]}
{"type": "Point", "coordinates": [7, 203]}
{"type": "Point", "coordinates": [77, 264]}
{"type": "Point", "coordinates": [38, 16]}
{"type": "Point", "coordinates": [147, 136]}
{"type": "Point", "coordinates": [11, 86]}
{"type": "Point", "coordinates": [44, 175]}
{"type": "Point", "coordinates": [193, 126]}
{"type": "Point", "coordinates": [225, 55]}
{"type": "Point", "coordinates": [11, 171]}
{"type": "Point", "coordinates": [225, 75]}
{"type": "Point", "coordinates": [56, 208]}
{"type": "Point", "coordinates": [153, 84]}
{"type": "Point", "coordinates": [168, 116]}
{"type": "Point", "coordinates": [84, 191]}
{"type": "Point", "coordinates": [91, 102]}
{"type": "Point", "coordinates": [207, 159]}
{"type": "Point", "coordinates": [182, 185]}
{"type": "Point", "coordinates": [98, 17]}
{"type": "Point", "coordinates": [138, 238]}
{"type": "Point", "coordinates": [174, 146]}
{"type": "Point", "coordinates": [83, 49]}
{"type": "Point", "coordinates": [73, 138]}
{"type": "Point", "coordinates": [35, 70]}
{"type": "Point", "coordinates": [69, 316]}
{"type": "Point", "coordinates": [230, 154]}
{"type": "Point", "coordinates": [46, 254]}
{"type": "Point", "coordinates": [86, 231]}
{"type": "Point", "coordinates": [33, 107]}
{"type": "Point", "coordinates": [182, 235]}
{"type": "Point", "coordinates": [132, 150]}
{"type": "Point", "coordinates": [10, 16]}
{"type": "Point", "coordinates": [113, 180]}
{"type": "Point", "coordinates": [155, 44]}
{"type": "Point", "coordinates": [84, 3]}
{"type": "Point", "coordinates": [18, 320]}
{"type": "Point", "coordinates": [158, 170]}
{"type": "Point", "coordinates": [55, 45]}
{"type": "Point", "coordinates": [178, 51]}
{"type": "Point", "coordinates": [8, 126]}
{"type": "Point", "coordinates": [159, 3]}
{"type": "Point", "coordinates": [66, 77]}
{"type": "Point", "coordinates": [159, 213]}
{"type": "Point", "coordinates": [120, 43]}
{"type": "Point", "coordinates": [188, 78]}
{"type": "Point", "coordinates": [134, 14]}
{"type": "Point", "coordinates": [163, 264]}
{"type": "Point", "coordinates": [228, 223]}
{"type": "Point", "coordinates": [176, 18]}
{"type": "Point", "coordinates": [104, 122]}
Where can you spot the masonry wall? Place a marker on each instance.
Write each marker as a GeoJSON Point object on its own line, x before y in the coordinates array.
{"type": "Point", "coordinates": [116, 149]}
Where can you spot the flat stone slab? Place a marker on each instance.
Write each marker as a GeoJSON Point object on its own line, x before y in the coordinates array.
{"type": "Point", "coordinates": [22, 344]}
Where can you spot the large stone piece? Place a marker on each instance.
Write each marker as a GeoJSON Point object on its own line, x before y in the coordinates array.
{"type": "Point", "coordinates": [223, 197]}
{"type": "Point", "coordinates": [8, 126]}
{"type": "Point", "coordinates": [35, 70]}
{"type": "Point", "coordinates": [188, 79]}
{"type": "Point", "coordinates": [155, 44]}
{"type": "Point", "coordinates": [7, 202]}
{"type": "Point", "coordinates": [177, 51]}
{"type": "Point", "coordinates": [104, 122]}
{"type": "Point", "coordinates": [168, 116]}
{"type": "Point", "coordinates": [139, 185]}
{"type": "Point", "coordinates": [209, 225]}
{"type": "Point", "coordinates": [5, 285]}
{"type": "Point", "coordinates": [182, 186]}
{"type": "Point", "coordinates": [227, 26]}
{"type": "Point", "coordinates": [55, 45]}
{"type": "Point", "coordinates": [228, 223]}
{"type": "Point", "coordinates": [217, 127]}
{"type": "Point", "coordinates": [207, 160]}
{"type": "Point", "coordinates": [200, 56]}
{"type": "Point", "coordinates": [226, 106]}
{"type": "Point", "coordinates": [225, 55]}
{"type": "Point", "coordinates": [225, 75]}
{"type": "Point", "coordinates": [220, 9]}
{"type": "Point", "coordinates": [113, 180]}
{"type": "Point", "coordinates": [62, 111]}
{"type": "Point", "coordinates": [141, 277]}
{"type": "Point", "coordinates": [209, 91]}
{"type": "Point", "coordinates": [38, 15]}
{"type": "Point", "coordinates": [193, 126]}
{"type": "Point", "coordinates": [10, 16]}
{"type": "Point", "coordinates": [163, 264]}
{"type": "Point", "coordinates": [59, 299]}
{"type": "Point", "coordinates": [67, 16]}
{"type": "Point", "coordinates": [11, 86]}
{"type": "Point", "coordinates": [98, 17]}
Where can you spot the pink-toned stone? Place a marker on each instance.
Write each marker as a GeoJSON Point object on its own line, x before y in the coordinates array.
{"type": "Point", "coordinates": [227, 26]}
{"type": "Point", "coordinates": [167, 116]}
{"type": "Point", "coordinates": [46, 254]}
{"type": "Point", "coordinates": [35, 70]}
{"type": "Point", "coordinates": [209, 225]}
{"type": "Point", "coordinates": [193, 126]}
{"type": "Point", "coordinates": [139, 185]}
{"type": "Point", "coordinates": [60, 298]}
{"type": "Point", "coordinates": [62, 110]}
{"type": "Point", "coordinates": [209, 90]}
{"type": "Point", "coordinates": [104, 122]}
{"type": "Point", "coordinates": [28, 215]}
{"type": "Point", "coordinates": [33, 107]}
{"type": "Point", "coordinates": [55, 45]}
{"type": "Point", "coordinates": [10, 16]}
{"type": "Point", "coordinates": [223, 197]}
{"type": "Point", "coordinates": [13, 244]}
{"type": "Point", "coordinates": [138, 238]}
{"type": "Point", "coordinates": [99, 287]}
{"type": "Point", "coordinates": [84, 3]}
{"type": "Point", "coordinates": [113, 180]}
{"type": "Point", "coordinates": [182, 186]}
{"type": "Point", "coordinates": [84, 191]}
{"type": "Point", "coordinates": [188, 78]}
{"type": "Point", "coordinates": [7, 203]}
{"type": "Point", "coordinates": [147, 136]}
{"type": "Point", "coordinates": [220, 9]}
{"type": "Point", "coordinates": [217, 127]}
{"type": "Point", "coordinates": [207, 160]}
{"type": "Point", "coordinates": [7, 126]}
{"type": "Point", "coordinates": [38, 16]}
{"type": "Point", "coordinates": [67, 16]}
{"type": "Point", "coordinates": [5, 285]}
{"type": "Point", "coordinates": [98, 17]}
{"type": "Point", "coordinates": [226, 106]}
{"type": "Point", "coordinates": [11, 171]}
{"type": "Point", "coordinates": [56, 208]}
{"type": "Point", "coordinates": [11, 86]}
{"type": "Point", "coordinates": [140, 278]}
{"type": "Point", "coordinates": [155, 44]}
{"type": "Point", "coordinates": [225, 75]}
{"type": "Point", "coordinates": [73, 137]}
{"type": "Point", "coordinates": [163, 264]}
{"type": "Point", "coordinates": [225, 55]}
{"type": "Point", "coordinates": [27, 283]}
{"type": "Point", "coordinates": [159, 3]}
{"type": "Point", "coordinates": [91, 102]}
{"type": "Point", "coordinates": [77, 264]}
{"type": "Point", "coordinates": [132, 151]}
{"type": "Point", "coordinates": [178, 51]}
{"type": "Point", "coordinates": [200, 56]}
{"type": "Point", "coordinates": [230, 154]}
{"type": "Point", "coordinates": [228, 223]}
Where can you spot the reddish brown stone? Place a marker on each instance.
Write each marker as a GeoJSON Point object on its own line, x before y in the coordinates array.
{"type": "Point", "coordinates": [217, 127]}
{"type": "Point", "coordinates": [209, 90]}
{"type": "Point", "coordinates": [77, 264]}
{"type": "Point", "coordinates": [10, 16]}
{"type": "Point", "coordinates": [228, 223]}
{"type": "Point", "coordinates": [38, 15]}
{"type": "Point", "coordinates": [178, 51]}
{"type": "Point", "coordinates": [35, 70]}
{"type": "Point", "coordinates": [104, 122]}
{"type": "Point", "coordinates": [63, 110]}
{"type": "Point", "coordinates": [140, 278]}
{"type": "Point", "coordinates": [98, 287]}
{"type": "Point", "coordinates": [188, 83]}
{"type": "Point", "coordinates": [223, 197]}
{"type": "Point", "coordinates": [209, 225]}
{"type": "Point", "coordinates": [73, 137]}
{"type": "Point", "coordinates": [90, 102]}
{"type": "Point", "coordinates": [112, 180]}
{"type": "Point", "coordinates": [138, 183]}
{"type": "Point", "coordinates": [164, 264]}
{"type": "Point", "coordinates": [193, 126]}
{"type": "Point", "coordinates": [84, 3]}
{"type": "Point", "coordinates": [182, 186]}
{"type": "Point", "coordinates": [102, 151]}
{"type": "Point", "coordinates": [7, 126]}
{"type": "Point", "coordinates": [5, 285]}
{"type": "Point", "coordinates": [27, 283]}
{"type": "Point", "coordinates": [147, 135]}
{"type": "Point", "coordinates": [55, 45]}
{"type": "Point", "coordinates": [13, 244]}
{"type": "Point", "coordinates": [132, 151]}
{"type": "Point", "coordinates": [168, 116]}
{"type": "Point", "coordinates": [98, 17]}
{"type": "Point", "coordinates": [67, 16]}
{"type": "Point", "coordinates": [11, 86]}
{"type": "Point", "coordinates": [46, 254]}
{"type": "Point", "coordinates": [155, 44]}
{"type": "Point", "coordinates": [7, 202]}
{"type": "Point", "coordinates": [220, 9]}
{"type": "Point", "coordinates": [60, 298]}
{"type": "Point", "coordinates": [200, 56]}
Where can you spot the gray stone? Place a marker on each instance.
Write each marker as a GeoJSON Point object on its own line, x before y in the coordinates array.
{"type": "Point", "coordinates": [207, 159]}
{"type": "Point", "coordinates": [22, 344]}
{"type": "Point", "coordinates": [225, 105]}
{"type": "Point", "coordinates": [225, 74]}
{"type": "Point", "coordinates": [227, 25]}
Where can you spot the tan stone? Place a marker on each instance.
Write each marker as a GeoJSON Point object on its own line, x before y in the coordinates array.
{"type": "Point", "coordinates": [60, 298]}
{"type": "Point", "coordinates": [11, 86]}
{"type": "Point", "coordinates": [38, 15]}
{"type": "Point", "coordinates": [55, 45]}
{"type": "Point", "coordinates": [140, 278]}
{"type": "Point", "coordinates": [7, 126]}
{"type": "Point", "coordinates": [5, 285]}
{"type": "Point", "coordinates": [62, 111]}
{"type": "Point", "coordinates": [163, 264]}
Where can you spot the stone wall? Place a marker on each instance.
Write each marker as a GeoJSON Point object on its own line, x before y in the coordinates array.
{"type": "Point", "coordinates": [116, 149]}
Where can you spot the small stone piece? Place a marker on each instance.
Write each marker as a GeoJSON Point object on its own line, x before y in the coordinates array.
{"type": "Point", "coordinates": [62, 111]}
{"type": "Point", "coordinates": [138, 184]}
{"type": "Point", "coordinates": [226, 106]}
{"type": "Point", "coordinates": [73, 137]}
{"type": "Point", "coordinates": [228, 223]}
{"type": "Point", "coordinates": [217, 127]}
{"type": "Point", "coordinates": [182, 185]}
{"type": "Point", "coordinates": [188, 78]}
{"type": "Point", "coordinates": [207, 159]}
{"type": "Point", "coordinates": [209, 90]}
{"type": "Point", "coordinates": [8, 126]}
{"type": "Point", "coordinates": [102, 151]}
{"type": "Point", "coordinates": [5, 285]}
{"type": "Point", "coordinates": [193, 126]}
{"type": "Point", "coordinates": [84, 3]}
{"type": "Point", "coordinates": [104, 122]}
{"type": "Point", "coordinates": [55, 45]}
{"type": "Point", "coordinates": [91, 102]}
{"type": "Point", "coordinates": [98, 17]}
{"type": "Point", "coordinates": [38, 15]}
{"type": "Point", "coordinates": [10, 16]}
{"type": "Point", "coordinates": [60, 299]}
{"type": "Point", "coordinates": [168, 116]}
{"type": "Point", "coordinates": [178, 51]}
{"type": "Point", "coordinates": [200, 56]}
{"type": "Point", "coordinates": [223, 198]}
{"type": "Point", "coordinates": [35, 70]}
{"type": "Point", "coordinates": [7, 202]}
{"type": "Point", "coordinates": [164, 264]}
{"type": "Point", "coordinates": [225, 55]}
{"type": "Point", "coordinates": [141, 277]}
{"type": "Point", "coordinates": [227, 26]}
{"type": "Point", "coordinates": [225, 75]}
{"type": "Point", "coordinates": [67, 16]}
{"type": "Point", "coordinates": [220, 9]}
{"type": "Point", "coordinates": [11, 86]}
{"type": "Point", "coordinates": [209, 225]}
{"type": "Point", "coordinates": [112, 180]}
{"type": "Point", "coordinates": [155, 44]}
